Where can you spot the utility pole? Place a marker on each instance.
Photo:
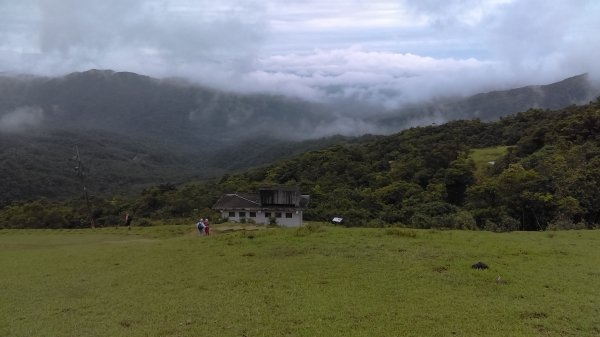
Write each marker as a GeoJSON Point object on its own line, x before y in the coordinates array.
{"type": "Point", "coordinates": [81, 174]}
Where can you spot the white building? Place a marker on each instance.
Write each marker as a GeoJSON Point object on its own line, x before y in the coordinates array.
{"type": "Point", "coordinates": [283, 205]}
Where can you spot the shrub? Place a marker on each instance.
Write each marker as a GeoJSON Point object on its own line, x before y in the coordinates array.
{"type": "Point", "coordinates": [314, 227]}
{"type": "Point", "coordinates": [562, 222]}
{"type": "Point", "coordinates": [505, 223]}
{"type": "Point", "coordinates": [420, 220]}
{"type": "Point", "coordinates": [40, 214]}
{"type": "Point", "coordinates": [218, 220]}
{"type": "Point", "coordinates": [464, 220]}
{"type": "Point", "coordinates": [376, 223]}
{"type": "Point", "coordinates": [309, 228]}
{"type": "Point", "coordinates": [144, 223]}
{"type": "Point", "coordinates": [109, 220]}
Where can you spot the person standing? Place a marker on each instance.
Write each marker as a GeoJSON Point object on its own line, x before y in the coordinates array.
{"type": "Point", "coordinates": [200, 225]}
{"type": "Point", "coordinates": [128, 219]}
{"type": "Point", "coordinates": [206, 227]}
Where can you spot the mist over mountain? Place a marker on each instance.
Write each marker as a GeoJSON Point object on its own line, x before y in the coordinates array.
{"type": "Point", "coordinates": [493, 105]}
{"type": "Point", "coordinates": [134, 130]}
{"type": "Point", "coordinates": [137, 105]}
{"type": "Point", "coordinates": [179, 113]}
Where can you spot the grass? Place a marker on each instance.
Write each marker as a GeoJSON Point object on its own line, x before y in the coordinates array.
{"type": "Point", "coordinates": [324, 281]}
{"type": "Point", "coordinates": [482, 157]}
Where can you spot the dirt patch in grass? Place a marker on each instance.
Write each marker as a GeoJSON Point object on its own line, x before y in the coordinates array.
{"type": "Point", "coordinates": [533, 315]}
{"type": "Point", "coordinates": [440, 269]}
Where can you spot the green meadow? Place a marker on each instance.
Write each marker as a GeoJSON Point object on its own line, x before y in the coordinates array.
{"type": "Point", "coordinates": [313, 281]}
{"type": "Point", "coordinates": [484, 156]}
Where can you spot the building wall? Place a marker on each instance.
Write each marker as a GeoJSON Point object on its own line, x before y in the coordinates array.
{"type": "Point", "coordinates": [262, 217]}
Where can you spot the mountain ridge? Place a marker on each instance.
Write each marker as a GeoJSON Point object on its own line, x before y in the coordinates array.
{"type": "Point", "coordinates": [202, 132]}
{"type": "Point", "coordinates": [492, 105]}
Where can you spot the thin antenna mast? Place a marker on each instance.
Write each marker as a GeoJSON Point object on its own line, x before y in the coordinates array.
{"type": "Point", "coordinates": [81, 174]}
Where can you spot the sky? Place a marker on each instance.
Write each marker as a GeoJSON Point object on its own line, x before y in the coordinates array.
{"type": "Point", "coordinates": [382, 52]}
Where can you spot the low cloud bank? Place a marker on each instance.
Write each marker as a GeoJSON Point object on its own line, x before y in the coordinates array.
{"type": "Point", "coordinates": [21, 119]}
{"type": "Point", "coordinates": [385, 53]}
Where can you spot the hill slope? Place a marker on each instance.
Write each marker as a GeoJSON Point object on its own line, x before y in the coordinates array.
{"type": "Point", "coordinates": [545, 175]}
{"type": "Point", "coordinates": [134, 130]}
{"type": "Point", "coordinates": [424, 177]}
{"type": "Point", "coordinates": [496, 104]}
{"type": "Point", "coordinates": [173, 111]}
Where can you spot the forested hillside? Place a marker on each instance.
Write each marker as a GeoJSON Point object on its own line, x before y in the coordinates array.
{"type": "Point", "coordinates": [426, 177]}
{"type": "Point", "coordinates": [135, 131]}
{"type": "Point", "coordinates": [546, 175]}
{"type": "Point", "coordinates": [40, 164]}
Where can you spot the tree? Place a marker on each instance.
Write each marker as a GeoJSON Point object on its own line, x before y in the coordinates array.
{"type": "Point", "coordinates": [517, 193]}
{"type": "Point", "coordinates": [457, 178]}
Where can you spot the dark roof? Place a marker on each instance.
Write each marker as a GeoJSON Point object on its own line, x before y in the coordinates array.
{"type": "Point", "coordinates": [249, 201]}
{"type": "Point", "coordinates": [237, 200]}
{"type": "Point", "coordinates": [280, 188]}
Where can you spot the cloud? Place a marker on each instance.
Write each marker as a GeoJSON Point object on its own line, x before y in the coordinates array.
{"type": "Point", "coordinates": [374, 78]}
{"type": "Point", "coordinates": [21, 119]}
{"type": "Point", "coordinates": [149, 36]}
{"type": "Point", "coordinates": [445, 14]}
{"type": "Point", "coordinates": [545, 39]}
{"type": "Point", "coordinates": [382, 52]}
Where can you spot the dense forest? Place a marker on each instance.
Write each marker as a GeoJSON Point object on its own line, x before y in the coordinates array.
{"type": "Point", "coordinates": [546, 175]}
{"type": "Point", "coordinates": [40, 164]}
{"type": "Point", "coordinates": [135, 131]}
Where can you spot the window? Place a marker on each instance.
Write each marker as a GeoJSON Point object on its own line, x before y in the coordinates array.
{"type": "Point", "coordinates": [278, 214]}
{"type": "Point", "coordinates": [253, 214]}
{"type": "Point", "coordinates": [231, 214]}
{"type": "Point", "coordinates": [288, 215]}
{"type": "Point", "coordinates": [242, 214]}
{"type": "Point", "coordinates": [267, 214]}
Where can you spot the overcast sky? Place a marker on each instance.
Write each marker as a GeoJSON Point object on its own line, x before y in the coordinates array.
{"type": "Point", "coordinates": [383, 51]}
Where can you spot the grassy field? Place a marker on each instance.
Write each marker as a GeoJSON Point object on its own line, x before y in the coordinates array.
{"type": "Point", "coordinates": [316, 281]}
{"type": "Point", "coordinates": [482, 157]}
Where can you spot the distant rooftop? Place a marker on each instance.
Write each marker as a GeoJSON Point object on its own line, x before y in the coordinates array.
{"type": "Point", "coordinates": [239, 200]}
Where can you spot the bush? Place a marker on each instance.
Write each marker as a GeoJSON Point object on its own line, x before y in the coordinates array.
{"type": "Point", "coordinates": [464, 220]}
{"type": "Point", "coordinates": [420, 220]}
{"type": "Point", "coordinates": [109, 220]}
{"type": "Point", "coordinates": [505, 223]}
{"type": "Point", "coordinates": [40, 214]}
{"type": "Point", "coordinates": [144, 223]}
{"type": "Point", "coordinates": [562, 222]}
{"type": "Point", "coordinates": [376, 223]}
{"type": "Point", "coordinates": [309, 228]}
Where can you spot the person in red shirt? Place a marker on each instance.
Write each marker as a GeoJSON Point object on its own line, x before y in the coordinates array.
{"type": "Point", "coordinates": [206, 227]}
